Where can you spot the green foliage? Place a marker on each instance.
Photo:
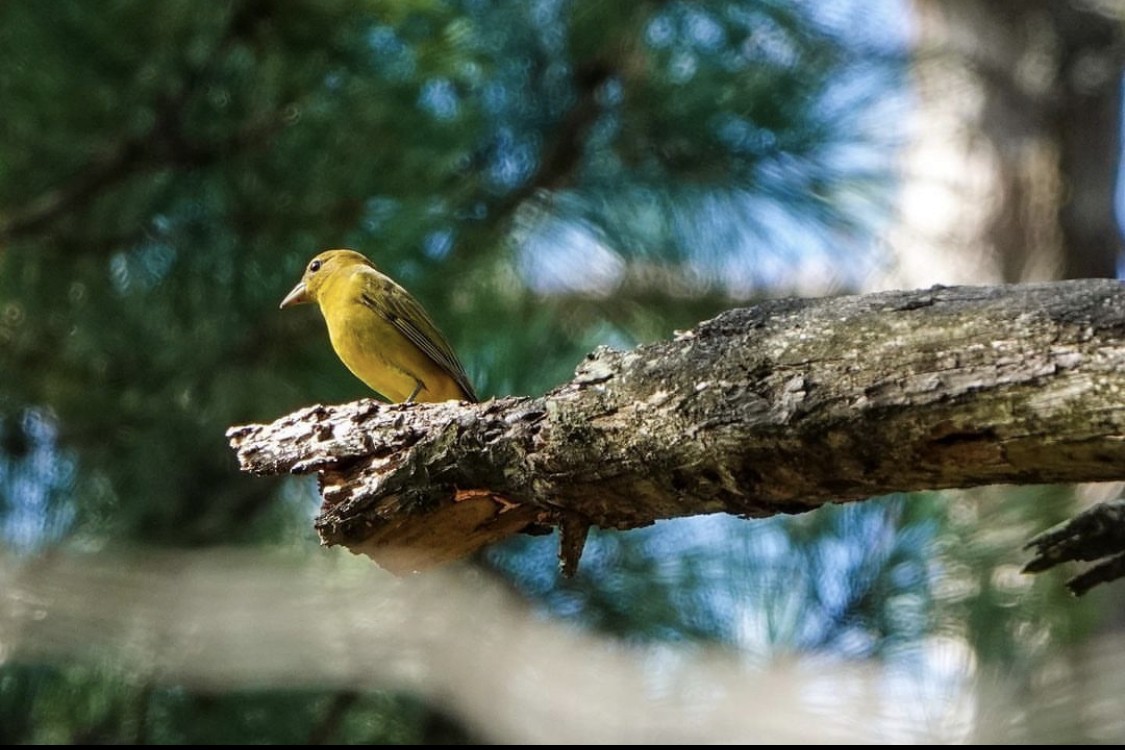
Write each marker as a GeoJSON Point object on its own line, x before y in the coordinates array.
{"type": "Point", "coordinates": [167, 169]}
{"type": "Point", "coordinates": [85, 705]}
{"type": "Point", "coordinates": [981, 557]}
{"type": "Point", "coordinates": [851, 579]}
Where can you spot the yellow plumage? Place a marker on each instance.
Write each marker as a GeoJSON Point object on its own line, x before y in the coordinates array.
{"type": "Point", "coordinates": [381, 332]}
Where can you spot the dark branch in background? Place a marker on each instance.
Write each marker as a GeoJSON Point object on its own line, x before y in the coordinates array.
{"type": "Point", "coordinates": [1095, 534]}
{"type": "Point", "coordinates": [563, 155]}
{"type": "Point", "coordinates": [778, 408]}
{"type": "Point", "coordinates": [44, 209]}
{"type": "Point", "coordinates": [329, 723]}
{"type": "Point", "coordinates": [163, 145]}
{"type": "Point", "coordinates": [142, 703]}
{"type": "Point", "coordinates": [566, 141]}
{"type": "Point", "coordinates": [1087, 117]}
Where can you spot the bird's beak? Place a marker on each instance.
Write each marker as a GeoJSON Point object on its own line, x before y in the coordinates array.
{"type": "Point", "coordinates": [298, 296]}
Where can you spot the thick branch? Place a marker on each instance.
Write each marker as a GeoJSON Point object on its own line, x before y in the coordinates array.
{"type": "Point", "coordinates": [777, 408]}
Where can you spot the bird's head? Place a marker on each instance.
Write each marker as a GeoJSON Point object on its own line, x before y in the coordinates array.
{"type": "Point", "coordinates": [320, 268]}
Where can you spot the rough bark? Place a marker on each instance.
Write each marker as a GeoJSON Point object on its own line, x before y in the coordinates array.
{"type": "Point", "coordinates": [1014, 146]}
{"type": "Point", "coordinates": [777, 408]}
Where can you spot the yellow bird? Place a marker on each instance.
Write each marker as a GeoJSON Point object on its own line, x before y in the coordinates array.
{"type": "Point", "coordinates": [379, 331]}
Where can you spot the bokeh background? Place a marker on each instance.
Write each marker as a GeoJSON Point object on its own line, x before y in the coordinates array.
{"type": "Point", "coordinates": [545, 176]}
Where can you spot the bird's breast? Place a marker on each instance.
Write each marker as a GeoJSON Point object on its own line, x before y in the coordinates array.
{"type": "Point", "coordinates": [372, 349]}
{"type": "Point", "coordinates": [376, 351]}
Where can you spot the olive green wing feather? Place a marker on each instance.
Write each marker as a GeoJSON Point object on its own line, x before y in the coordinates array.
{"type": "Point", "coordinates": [411, 320]}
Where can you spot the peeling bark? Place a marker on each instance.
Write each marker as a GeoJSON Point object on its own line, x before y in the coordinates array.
{"type": "Point", "coordinates": [777, 408]}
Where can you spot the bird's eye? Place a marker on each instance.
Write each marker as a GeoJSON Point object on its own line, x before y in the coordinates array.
{"type": "Point", "coordinates": [314, 266]}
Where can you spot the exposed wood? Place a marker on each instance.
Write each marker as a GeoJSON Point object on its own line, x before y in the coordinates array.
{"type": "Point", "coordinates": [777, 408]}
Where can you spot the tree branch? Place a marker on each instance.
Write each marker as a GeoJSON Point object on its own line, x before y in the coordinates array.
{"type": "Point", "coordinates": [1097, 534]}
{"type": "Point", "coordinates": [777, 408]}
{"type": "Point", "coordinates": [163, 145]}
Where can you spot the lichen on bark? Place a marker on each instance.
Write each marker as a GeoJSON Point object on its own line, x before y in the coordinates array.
{"type": "Point", "coordinates": [777, 408]}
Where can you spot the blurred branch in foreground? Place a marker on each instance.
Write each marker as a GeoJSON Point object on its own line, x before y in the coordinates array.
{"type": "Point", "coordinates": [778, 408]}
{"type": "Point", "coordinates": [225, 620]}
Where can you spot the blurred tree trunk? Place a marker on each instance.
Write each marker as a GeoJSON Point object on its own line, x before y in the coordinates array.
{"type": "Point", "coordinates": [1010, 172]}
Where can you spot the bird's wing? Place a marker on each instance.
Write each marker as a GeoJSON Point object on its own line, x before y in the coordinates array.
{"type": "Point", "coordinates": [402, 311]}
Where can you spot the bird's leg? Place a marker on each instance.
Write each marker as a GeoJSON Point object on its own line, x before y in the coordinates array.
{"type": "Point", "coordinates": [417, 388]}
